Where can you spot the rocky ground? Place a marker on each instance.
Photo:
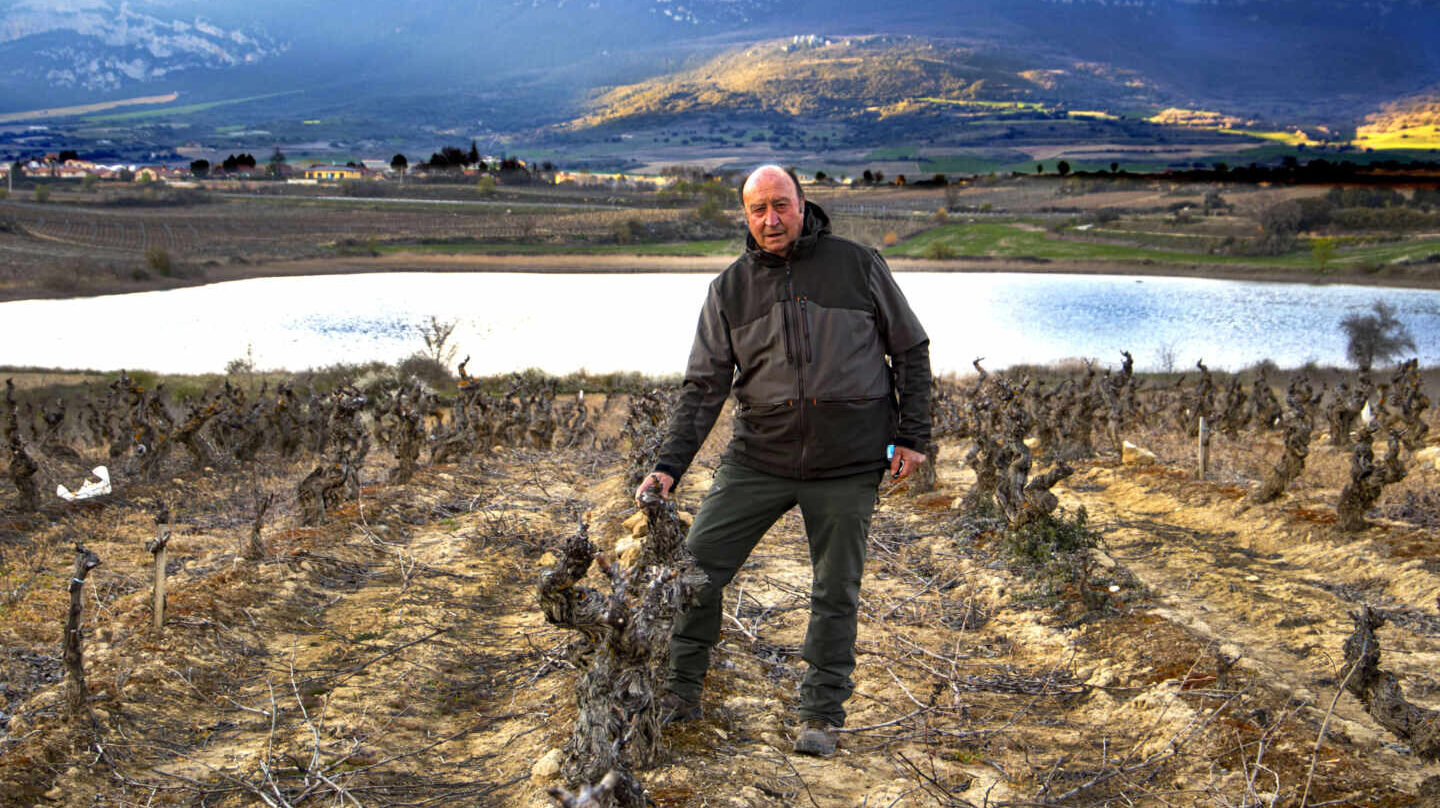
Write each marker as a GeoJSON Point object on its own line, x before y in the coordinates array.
{"type": "Point", "coordinates": [396, 656]}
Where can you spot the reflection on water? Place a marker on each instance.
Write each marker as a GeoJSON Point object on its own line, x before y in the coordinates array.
{"type": "Point", "coordinates": [562, 323]}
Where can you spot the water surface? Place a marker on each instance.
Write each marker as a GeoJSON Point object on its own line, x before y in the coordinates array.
{"type": "Point", "coordinates": [562, 323]}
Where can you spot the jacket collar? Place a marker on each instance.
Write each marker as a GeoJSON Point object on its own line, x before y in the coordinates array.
{"type": "Point", "coordinates": [816, 224]}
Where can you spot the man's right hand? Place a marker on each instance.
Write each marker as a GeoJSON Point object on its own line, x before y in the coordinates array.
{"type": "Point", "coordinates": [655, 479]}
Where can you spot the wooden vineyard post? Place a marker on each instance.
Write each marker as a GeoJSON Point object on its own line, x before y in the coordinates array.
{"type": "Point", "coordinates": [1202, 466]}
{"type": "Point", "coordinates": [76, 695]}
{"type": "Point", "coordinates": [157, 549]}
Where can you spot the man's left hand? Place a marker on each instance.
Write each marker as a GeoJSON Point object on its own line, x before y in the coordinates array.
{"type": "Point", "coordinates": [904, 461]}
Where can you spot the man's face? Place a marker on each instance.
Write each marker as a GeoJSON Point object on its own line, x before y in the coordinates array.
{"type": "Point", "coordinates": [773, 210]}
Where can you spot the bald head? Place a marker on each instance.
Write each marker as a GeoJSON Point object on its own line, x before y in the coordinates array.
{"type": "Point", "coordinates": [774, 208]}
{"type": "Point", "coordinates": [770, 168]}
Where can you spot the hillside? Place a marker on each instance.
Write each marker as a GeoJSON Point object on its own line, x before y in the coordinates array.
{"type": "Point", "coordinates": [1415, 118]}
{"type": "Point", "coordinates": [844, 78]}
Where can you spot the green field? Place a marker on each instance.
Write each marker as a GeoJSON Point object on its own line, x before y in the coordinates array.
{"type": "Point", "coordinates": [998, 240]}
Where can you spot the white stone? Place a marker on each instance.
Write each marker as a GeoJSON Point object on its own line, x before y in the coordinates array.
{"type": "Point", "coordinates": [1429, 456]}
{"type": "Point", "coordinates": [637, 525]}
{"type": "Point", "coordinates": [1132, 455]}
{"type": "Point", "coordinates": [627, 548]}
{"type": "Point", "coordinates": [548, 767]}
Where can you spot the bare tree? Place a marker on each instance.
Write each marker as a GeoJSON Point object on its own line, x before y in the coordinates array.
{"type": "Point", "coordinates": [1376, 337]}
{"type": "Point", "coordinates": [437, 334]}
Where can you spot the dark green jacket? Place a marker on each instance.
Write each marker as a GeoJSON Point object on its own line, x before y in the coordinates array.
{"type": "Point", "coordinates": [802, 343]}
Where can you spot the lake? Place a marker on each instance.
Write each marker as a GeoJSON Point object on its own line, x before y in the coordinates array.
{"type": "Point", "coordinates": [601, 323]}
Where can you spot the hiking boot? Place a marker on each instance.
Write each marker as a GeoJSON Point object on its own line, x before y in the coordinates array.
{"type": "Point", "coordinates": [817, 737]}
{"type": "Point", "coordinates": [674, 709]}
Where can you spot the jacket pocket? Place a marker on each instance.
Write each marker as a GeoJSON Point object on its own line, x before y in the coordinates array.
{"type": "Point", "coordinates": [768, 431]}
{"type": "Point", "coordinates": [849, 434]}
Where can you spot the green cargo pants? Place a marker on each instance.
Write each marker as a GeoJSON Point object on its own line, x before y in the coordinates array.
{"type": "Point", "coordinates": [742, 504]}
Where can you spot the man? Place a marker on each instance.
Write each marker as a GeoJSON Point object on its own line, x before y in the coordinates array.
{"type": "Point", "coordinates": [800, 328]}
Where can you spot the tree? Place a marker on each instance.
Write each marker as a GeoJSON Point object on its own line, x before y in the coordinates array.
{"type": "Point", "coordinates": [1323, 249]}
{"type": "Point", "coordinates": [66, 155]}
{"type": "Point", "coordinates": [200, 168]}
{"type": "Point", "coordinates": [276, 169]}
{"type": "Point", "coordinates": [868, 177]}
{"type": "Point", "coordinates": [1213, 201]}
{"type": "Point", "coordinates": [449, 157]}
{"type": "Point", "coordinates": [1063, 167]}
{"type": "Point", "coordinates": [1039, 168]}
{"type": "Point", "coordinates": [437, 334]}
{"type": "Point", "coordinates": [1278, 225]}
{"type": "Point", "coordinates": [1375, 337]}
{"type": "Point", "coordinates": [474, 156]}
{"type": "Point", "coordinates": [1114, 168]}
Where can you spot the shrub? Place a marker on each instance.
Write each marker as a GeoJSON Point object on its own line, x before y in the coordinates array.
{"type": "Point", "coordinates": [486, 185]}
{"type": "Point", "coordinates": [1103, 216]}
{"type": "Point", "coordinates": [158, 259]}
{"type": "Point", "coordinates": [241, 365]}
{"type": "Point", "coordinates": [42, 193]}
{"type": "Point", "coordinates": [939, 251]}
{"type": "Point", "coordinates": [1056, 536]}
{"type": "Point", "coordinates": [623, 231]}
{"type": "Point", "coordinates": [1392, 218]}
{"type": "Point", "coordinates": [161, 197]}
{"type": "Point", "coordinates": [1056, 550]}
{"type": "Point", "coordinates": [429, 371]}
{"type": "Point", "coordinates": [711, 210]}
{"type": "Point", "coordinates": [62, 284]}
{"type": "Point", "coordinates": [362, 188]}
{"type": "Point", "coordinates": [1314, 213]}
{"type": "Point", "coordinates": [891, 238]}
{"type": "Point", "coordinates": [1358, 197]}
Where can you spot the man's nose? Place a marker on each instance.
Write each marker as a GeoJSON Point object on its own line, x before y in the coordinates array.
{"type": "Point", "coordinates": [772, 217]}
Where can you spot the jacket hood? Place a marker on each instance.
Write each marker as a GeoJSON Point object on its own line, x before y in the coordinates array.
{"type": "Point", "coordinates": [816, 224]}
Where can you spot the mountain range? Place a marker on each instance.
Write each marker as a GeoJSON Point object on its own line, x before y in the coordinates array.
{"type": "Point", "coordinates": [507, 66]}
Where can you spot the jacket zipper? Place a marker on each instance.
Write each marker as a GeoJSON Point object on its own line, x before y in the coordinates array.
{"type": "Point", "coordinates": [785, 322]}
{"type": "Point", "coordinates": [791, 300]}
{"type": "Point", "coordinates": [805, 321]}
